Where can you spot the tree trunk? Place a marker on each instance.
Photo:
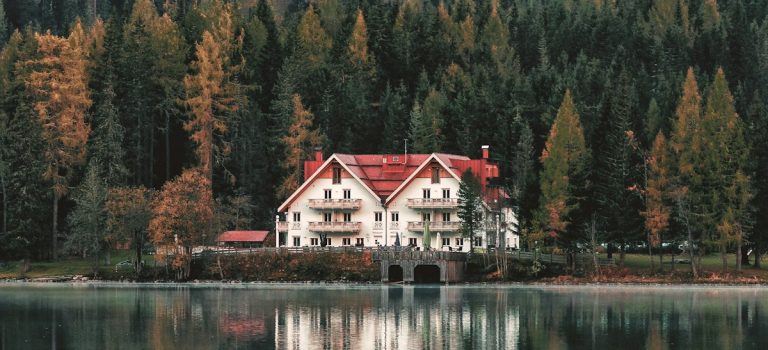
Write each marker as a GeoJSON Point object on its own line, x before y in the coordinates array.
{"type": "Point", "coordinates": [650, 251]}
{"type": "Point", "coordinates": [5, 204]}
{"type": "Point", "coordinates": [610, 250]}
{"type": "Point", "coordinates": [152, 154]}
{"type": "Point", "coordinates": [622, 253]}
{"type": "Point", "coordinates": [694, 271]}
{"type": "Point", "coordinates": [593, 234]}
{"type": "Point", "coordinates": [108, 257]}
{"type": "Point", "coordinates": [738, 256]}
{"type": "Point", "coordinates": [724, 257]}
{"type": "Point", "coordinates": [137, 242]}
{"type": "Point", "coordinates": [167, 147]}
{"type": "Point", "coordinates": [758, 246]}
{"type": "Point", "coordinates": [744, 256]}
{"type": "Point", "coordinates": [55, 226]}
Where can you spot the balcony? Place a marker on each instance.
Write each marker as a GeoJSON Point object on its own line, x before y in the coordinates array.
{"type": "Point", "coordinates": [335, 226]}
{"type": "Point", "coordinates": [282, 226]}
{"type": "Point", "coordinates": [433, 203]}
{"type": "Point", "coordinates": [442, 226]}
{"type": "Point", "coordinates": [349, 204]}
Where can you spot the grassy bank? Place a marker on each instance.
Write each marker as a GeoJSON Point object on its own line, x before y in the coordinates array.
{"type": "Point", "coordinates": [72, 266]}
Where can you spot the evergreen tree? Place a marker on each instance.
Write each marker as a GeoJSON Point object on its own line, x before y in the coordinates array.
{"type": "Point", "coordinates": [564, 162]}
{"type": "Point", "coordinates": [470, 206]}
{"type": "Point", "coordinates": [394, 113]}
{"type": "Point", "coordinates": [107, 139]}
{"type": "Point", "coordinates": [3, 25]}
{"type": "Point", "coordinates": [87, 221]}
{"type": "Point", "coordinates": [313, 43]}
{"type": "Point", "coordinates": [730, 190]}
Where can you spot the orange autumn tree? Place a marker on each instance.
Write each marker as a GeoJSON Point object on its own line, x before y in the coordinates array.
{"type": "Point", "coordinates": [301, 139]}
{"type": "Point", "coordinates": [58, 83]}
{"type": "Point", "coordinates": [657, 212]}
{"type": "Point", "coordinates": [182, 216]}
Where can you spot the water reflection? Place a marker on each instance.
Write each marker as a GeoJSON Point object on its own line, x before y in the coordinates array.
{"type": "Point", "coordinates": [380, 317]}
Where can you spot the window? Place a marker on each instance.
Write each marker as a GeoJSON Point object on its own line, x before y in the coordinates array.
{"type": "Point", "coordinates": [296, 216]}
{"type": "Point", "coordinates": [446, 193]}
{"type": "Point", "coordinates": [395, 158]}
{"type": "Point", "coordinates": [327, 217]}
{"type": "Point", "coordinates": [425, 193]}
{"type": "Point", "coordinates": [446, 241]}
{"type": "Point", "coordinates": [347, 194]}
{"type": "Point", "coordinates": [435, 175]}
{"type": "Point", "coordinates": [395, 216]}
{"type": "Point", "coordinates": [426, 216]}
{"type": "Point", "coordinates": [446, 217]}
{"type": "Point", "coordinates": [478, 241]}
{"type": "Point", "coordinates": [459, 241]}
{"type": "Point", "coordinates": [359, 242]}
{"type": "Point", "coordinates": [327, 194]}
{"type": "Point", "coordinates": [347, 217]}
{"type": "Point", "coordinates": [336, 175]}
{"type": "Point", "coordinates": [328, 241]}
{"type": "Point", "coordinates": [378, 216]}
{"type": "Point", "coordinates": [412, 242]}
{"type": "Point", "coordinates": [314, 241]}
{"type": "Point", "coordinates": [296, 241]}
{"type": "Point", "coordinates": [346, 241]}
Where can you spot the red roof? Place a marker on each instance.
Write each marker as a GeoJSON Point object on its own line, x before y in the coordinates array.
{"type": "Point", "coordinates": [385, 173]}
{"type": "Point", "coordinates": [242, 236]}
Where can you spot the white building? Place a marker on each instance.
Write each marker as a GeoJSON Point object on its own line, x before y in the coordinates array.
{"type": "Point", "coordinates": [370, 200]}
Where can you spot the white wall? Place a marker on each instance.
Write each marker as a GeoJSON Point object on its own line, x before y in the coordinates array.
{"type": "Point", "coordinates": [369, 205]}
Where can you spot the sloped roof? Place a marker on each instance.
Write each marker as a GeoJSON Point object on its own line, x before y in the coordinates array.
{"type": "Point", "coordinates": [242, 236]}
{"type": "Point", "coordinates": [382, 175]}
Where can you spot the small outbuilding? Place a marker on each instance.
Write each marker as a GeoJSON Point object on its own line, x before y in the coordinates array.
{"type": "Point", "coordinates": [242, 239]}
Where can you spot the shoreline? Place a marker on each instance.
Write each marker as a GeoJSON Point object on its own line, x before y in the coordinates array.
{"type": "Point", "coordinates": [545, 283]}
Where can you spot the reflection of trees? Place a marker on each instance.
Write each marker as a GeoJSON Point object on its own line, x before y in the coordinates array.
{"type": "Point", "coordinates": [382, 317]}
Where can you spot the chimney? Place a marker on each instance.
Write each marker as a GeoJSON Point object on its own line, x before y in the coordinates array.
{"type": "Point", "coordinates": [318, 154]}
{"type": "Point", "coordinates": [486, 149]}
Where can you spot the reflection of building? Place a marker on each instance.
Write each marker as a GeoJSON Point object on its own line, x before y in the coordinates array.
{"type": "Point", "coordinates": [401, 318]}
{"type": "Point", "coordinates": [242, 327]}
{"type": "Point", "coordinates": [368, 200]}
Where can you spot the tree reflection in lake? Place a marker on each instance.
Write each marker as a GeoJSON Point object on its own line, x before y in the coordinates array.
{"type": "Point", "coordinates": [379, 317]}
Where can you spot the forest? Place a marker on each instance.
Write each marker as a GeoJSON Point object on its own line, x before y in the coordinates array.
{"type": "Point", "coordinates": [160, 120]}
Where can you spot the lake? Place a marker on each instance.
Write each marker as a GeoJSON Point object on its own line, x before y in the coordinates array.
{"type": "Point", "coordinates": [343, 316]}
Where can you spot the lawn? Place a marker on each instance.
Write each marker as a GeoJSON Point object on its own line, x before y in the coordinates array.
{"type": "Point", "coordinates": [67, 266]}
{"type": "Point", "coordinates": [711, 263]}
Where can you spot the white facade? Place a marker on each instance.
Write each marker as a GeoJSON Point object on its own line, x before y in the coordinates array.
{"type": "Point", "coordinates": [363, 219]}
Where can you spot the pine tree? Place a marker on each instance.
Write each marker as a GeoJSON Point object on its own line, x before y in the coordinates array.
{"type": "Point", "coordinates": [59, 83]}
{"type": "Point", "coordinates": [358, 42]}
{"type": "Point", "coordinates": [107, 139]}
{"type": "Point", "coordinates": [209, 104]}
{"type": "Point", "coordinates": [300, 141]}
{"type": "Point", "coordinates": [730, 190]}
{"type": "Point", "coordinates": [87, 221]}
{"type": "Point", "coordinates": [470, 206]}
{"type": "Point", "coordinates": [564, 161]}
{"type": "Point", "coordinates": [313, 42]}
{"type": "Point", "coordinates": [394, 113]}
{"type": "Point", "coordinates": [420, 132]}
{"type": "Point", "coordinates": [686, 146]}
{"type": "Point", "coordinates": [3, 25]}
{"type": "Point", "coordinates": [657, 210]}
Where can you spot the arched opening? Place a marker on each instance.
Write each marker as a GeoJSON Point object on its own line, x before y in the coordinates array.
{"type": "Point", "coordinates": [426, 274]}
{"type": "Point", "coordinates": [395, 273]}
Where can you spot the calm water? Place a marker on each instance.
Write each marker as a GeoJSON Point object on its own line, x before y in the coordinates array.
{"type": "Point", "coordinates": [380, 317]}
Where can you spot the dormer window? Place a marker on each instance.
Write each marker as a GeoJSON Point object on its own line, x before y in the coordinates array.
{"type": "Point", "coordinates": [336, 175]}
{"type": "Point", "coordinates": [435, 175]}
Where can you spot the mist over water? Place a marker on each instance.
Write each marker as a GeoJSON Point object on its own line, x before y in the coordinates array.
{"type": "Point", "coordinates": [339, 316]}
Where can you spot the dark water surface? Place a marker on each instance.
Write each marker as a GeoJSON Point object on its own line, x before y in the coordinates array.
{"type": "Point", "coordinates": [317, 316]}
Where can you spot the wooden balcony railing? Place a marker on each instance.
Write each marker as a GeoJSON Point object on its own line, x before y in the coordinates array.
{"type": "Point", "coordinates": [432, 203]}
{"type": "Point", "coordinates": [335, 226]}
{"type": "Point", "coordinates": [282, 226]}
{"type": "Point", "coordinates": [350, 204]}
{"type": "Point", "coordinates": [445, 226]}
